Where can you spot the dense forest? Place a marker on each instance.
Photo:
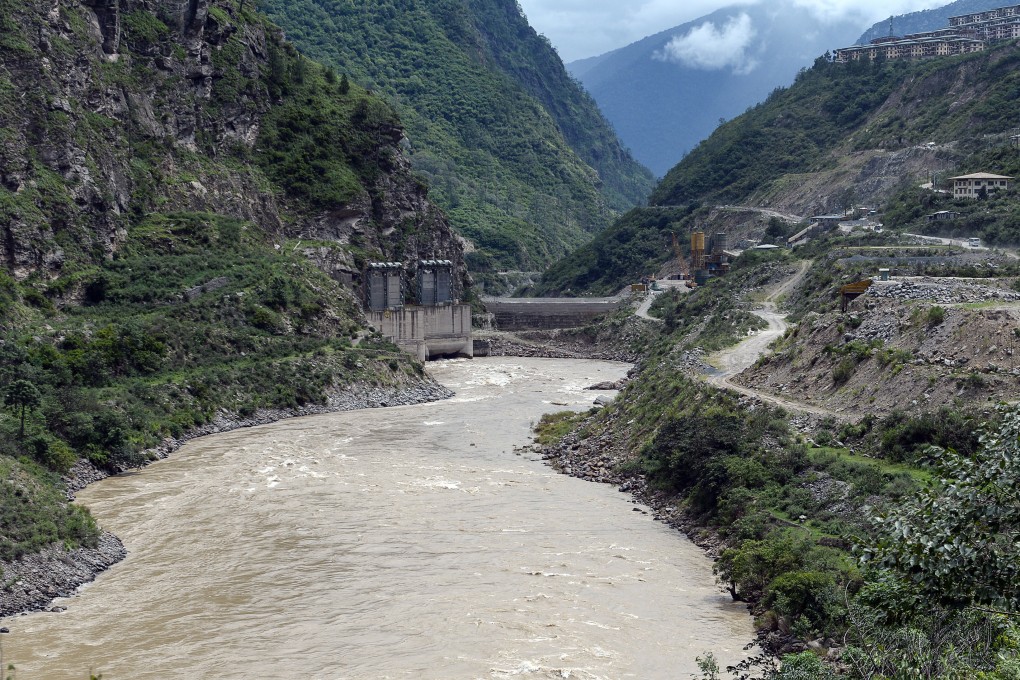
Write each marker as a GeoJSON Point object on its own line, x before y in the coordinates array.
{"type": "Point", "coordinates": [513, 150]}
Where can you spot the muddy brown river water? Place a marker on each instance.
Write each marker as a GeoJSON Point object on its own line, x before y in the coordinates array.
{"type": "Point", "coordinates": [409, 542]}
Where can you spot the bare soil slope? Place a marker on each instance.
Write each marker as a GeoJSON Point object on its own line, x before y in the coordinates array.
{"type": "Point", "coordinates": [909, 345]}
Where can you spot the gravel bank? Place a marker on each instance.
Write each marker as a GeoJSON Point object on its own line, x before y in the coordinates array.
{"type": "Point", "coordinates": [31, 583]}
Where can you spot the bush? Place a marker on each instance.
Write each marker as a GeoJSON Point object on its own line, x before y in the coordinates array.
{"type": "Point", "coordinates": [843, 371]}
{"type": "Point", "coordinates": [805, 666]}
{"type": "Point", "coordinates": [936, 315]}
{"type": "Point", "coordinates": [808, 594]}
{"type": "Point", "coordinates": [752, 566]}
{"type": "Point", "coordinates": [55, 454]}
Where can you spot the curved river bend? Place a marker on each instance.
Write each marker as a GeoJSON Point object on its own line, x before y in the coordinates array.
{"type": "Point", "coordinates": [405, 542]}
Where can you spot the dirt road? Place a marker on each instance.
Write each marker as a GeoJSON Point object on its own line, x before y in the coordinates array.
{"type": "Point", "coordinates": [734, 360]}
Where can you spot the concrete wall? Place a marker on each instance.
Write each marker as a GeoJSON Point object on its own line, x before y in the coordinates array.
{"type": "Point", "coordinates": [513, 314]}
{"type": "Point", "coordinates": [427, 332]}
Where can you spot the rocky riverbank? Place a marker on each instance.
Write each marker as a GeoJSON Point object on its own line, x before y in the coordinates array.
{"type": "Point", "coordinates": [562, 344]}
{"type": "Point", "coordinates": [600, 459]}
{"type": "Point", "coordinates": [32, 582]}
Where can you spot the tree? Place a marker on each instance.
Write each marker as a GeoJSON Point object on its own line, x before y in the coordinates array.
{"type": "Point", "coordinates": [22, 395]}
{"type": "Point", "coordinates": [958, 542]}
{"type": "Point", "coordinates": [345, 84]}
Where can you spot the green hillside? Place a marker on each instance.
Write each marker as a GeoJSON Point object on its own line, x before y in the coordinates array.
{"type": "Point", "coordinates": [832, 113]}
{"type": "Point", "coordinates": [177, 229]}
{"type": "Point", "coordinates": [517, 155]}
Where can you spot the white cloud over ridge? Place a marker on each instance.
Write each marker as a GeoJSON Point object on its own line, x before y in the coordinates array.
{"type": "Point", "coordinates": [710, 47]}
{"type": "Point", "coordinates": [583, 28]}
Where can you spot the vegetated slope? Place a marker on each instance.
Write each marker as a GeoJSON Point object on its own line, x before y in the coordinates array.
{"type": "Point", "coordinates": [927, 19]}
{"type": "Point", "coordinates": [782, 498]}
{"type": "Point", "coordinates": [842, 134]}
{"type": "Point", "coordinates": [664, 101]}
{"type": "Point", "coordinates": [183, 199]}
{"type": "Point", "coordinates": [516, 153]}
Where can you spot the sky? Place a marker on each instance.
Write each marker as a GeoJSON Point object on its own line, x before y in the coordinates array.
{"type": "Point", "coordinates": [586, 28]}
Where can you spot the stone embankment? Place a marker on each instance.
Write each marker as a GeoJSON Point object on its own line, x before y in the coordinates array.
{"type": "Point", "coordinates": [941, 291]}
{"type": "Point", "coordinates": [349, 399]}
{"type": "Point", "coordinates": [31, 583]}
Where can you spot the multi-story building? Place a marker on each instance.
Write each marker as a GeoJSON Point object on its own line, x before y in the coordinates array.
{"type": "Point", "coordinates": [971, 186]}
{"type": "Point", "coordinates": [943, 43]}
{"type": "Point", "coordinates": [967, 33]}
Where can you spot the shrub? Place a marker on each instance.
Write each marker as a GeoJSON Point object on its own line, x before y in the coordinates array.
{"type": "Point", "coordinates": [808, 594]}
{"type": "Point", "coordinates": [843, 371]}
{"type": "Point", "coordinates": [752, 566]}
{"type": "Point", "coordinates": [936, 315]}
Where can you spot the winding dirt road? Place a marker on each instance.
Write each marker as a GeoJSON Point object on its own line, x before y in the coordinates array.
{"type": "Point", "coordinates": [736, 359]}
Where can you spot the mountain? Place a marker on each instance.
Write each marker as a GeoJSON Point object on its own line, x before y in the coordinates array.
{"type": "Point", "coordinates": [927, 20]}
{"type": "Point", "coordinates": [186, 204]}
{"type": "Point", "coordinates": [842, 134]}
{"type": "Point", "coordinates": [518, 156]}
{"type": "Point", "coordinates": [667, 92]}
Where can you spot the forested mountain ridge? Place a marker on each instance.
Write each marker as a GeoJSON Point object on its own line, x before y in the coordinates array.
{"type": "Point", "coordinates": [185, 202]}
{"type": "Point", "coordinates": [209, 111]}
{"type": "Point", "coordinates": [862, 133]}
{"type": "Point", "coordinates": [517, 155]}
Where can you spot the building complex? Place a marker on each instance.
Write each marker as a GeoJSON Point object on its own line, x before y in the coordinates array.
{"type": "Point", "coordinates": [966, 33]}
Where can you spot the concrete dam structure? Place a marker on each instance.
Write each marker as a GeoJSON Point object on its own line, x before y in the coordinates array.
{"type": "Point", "coordinates": [437, 326]}
{"type": "Point", "coordinates": [427, 332]}
{"type": "Point", "coordinates": [514, 314]}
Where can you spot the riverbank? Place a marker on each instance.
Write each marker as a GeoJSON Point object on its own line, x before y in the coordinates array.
{"type": "Point", "coordinates": [31, 583]}
{"type": "Point", "coordinates": [599, 459]}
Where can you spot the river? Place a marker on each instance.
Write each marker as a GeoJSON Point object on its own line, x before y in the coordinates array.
{"type": "Point", "coordinates": [409, 542]}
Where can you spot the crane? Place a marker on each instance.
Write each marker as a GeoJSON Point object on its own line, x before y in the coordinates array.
{"type": "Point", "coordinates": [685, 273]}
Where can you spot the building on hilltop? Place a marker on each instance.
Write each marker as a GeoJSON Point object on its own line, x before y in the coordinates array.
{"type": "Point", "coordinates": [995, 24]}
{"type": "Point", "coordinates": [944, 43]}
{"type": "Point", "coordinates": [966, 33]}
{"type": "Point", "coordinates": [971, 186]}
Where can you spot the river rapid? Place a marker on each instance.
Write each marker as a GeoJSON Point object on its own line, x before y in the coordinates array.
{"type": "Point", "coordinates": [409, 542]}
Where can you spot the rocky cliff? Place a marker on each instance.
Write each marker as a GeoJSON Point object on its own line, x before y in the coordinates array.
{"type": "Point", "coordinates": [111, 110]}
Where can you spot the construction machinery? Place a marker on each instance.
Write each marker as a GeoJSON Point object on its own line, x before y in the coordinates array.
{"type": "Point", "coordinates": [685, 273]}
{"type": "Point", "coordinates": [851, 291]}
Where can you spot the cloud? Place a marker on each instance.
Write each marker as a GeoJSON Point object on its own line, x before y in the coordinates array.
{"type": "Point", "coordinates": [865, 11]}
{"type": "Point", "coordinates": [711, 48]}
{"type": "Point", "coordinates": [582, 28]}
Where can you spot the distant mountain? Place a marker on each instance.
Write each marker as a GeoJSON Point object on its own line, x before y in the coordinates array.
{"type": "Point", "coordinates": [865, 133]}
{"type": "Point", "coordinates": [667, 92]}
{"type": "Point", "coordinates": [518, 156]}
{"type": "Point", "coordinates": [927, 20]}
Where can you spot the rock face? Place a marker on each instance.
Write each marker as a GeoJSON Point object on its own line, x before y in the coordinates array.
{"type": "Point", "coordinates": [111, 110]}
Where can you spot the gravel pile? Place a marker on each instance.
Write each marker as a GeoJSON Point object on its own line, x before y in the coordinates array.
{"type": "Point", "coordinates": [555, 347]}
